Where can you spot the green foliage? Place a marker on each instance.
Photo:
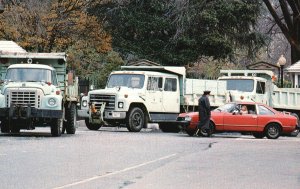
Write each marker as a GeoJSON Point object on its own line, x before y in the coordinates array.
{"type": "Point", "coordinates": [113, 62]}
{"type": "Point", "coordinates": [177, 32]}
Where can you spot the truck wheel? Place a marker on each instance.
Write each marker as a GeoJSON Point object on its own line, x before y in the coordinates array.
{"type": "Point", "coordinates": [70, 125]}
{"type": "Point", "coordinates": [169, 128]}
{"type": "Point", "coordinates": [135, 120]}
{"type": "Point", "coordinates": [56, 126]}
{"type": "Point", "coordinates": [295, 132]}
{"type": "Point", "coordinates": [272, 131]}
{"type": "Point", "coordinates": [4, 126]}
{"type": "Point", "coordinates": [90, 126]}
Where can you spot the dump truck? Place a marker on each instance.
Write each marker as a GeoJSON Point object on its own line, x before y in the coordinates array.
{"type": "Point", "coordinates": [37, 91]}
{"type": "Point", "coordinates": [138, 95]}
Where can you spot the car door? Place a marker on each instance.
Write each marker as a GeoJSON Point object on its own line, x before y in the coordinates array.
{"type": "Point", "coordinates": [264, 116]}
{"type": "Point", "coordinates": [235, 121]}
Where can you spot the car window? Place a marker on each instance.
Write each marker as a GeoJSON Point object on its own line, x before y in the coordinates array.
{"type": "Point", "coordinates": [154, 83]}
{"type": "Point", "coordinates": [264, 110]}
{"type": "Point", "coordinates": [260, 88]}
{"type": "Point", "coordinates": [246, 109]}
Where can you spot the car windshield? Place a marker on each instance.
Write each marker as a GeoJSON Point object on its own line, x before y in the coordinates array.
{"type": "Point", "coordinates": [28, 75]}
{"type": "Point", "coordinates": [226, 108]}
{"type": "Point", "coordinates": [244, 85]}
{"type": "Point", "coordinates": [126, 80]}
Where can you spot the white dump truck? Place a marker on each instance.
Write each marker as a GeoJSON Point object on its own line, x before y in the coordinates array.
{"type": "Point", "coordinates": [36, 91]}
{"type": "Point", "coordinates": [137, 95]}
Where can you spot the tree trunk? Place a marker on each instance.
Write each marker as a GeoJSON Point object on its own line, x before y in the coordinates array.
{"type": "Point", "coordinates": [295, 52]}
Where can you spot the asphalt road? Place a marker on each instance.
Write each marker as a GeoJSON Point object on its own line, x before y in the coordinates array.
{"type": "Point", "coordinates": [113, 158]}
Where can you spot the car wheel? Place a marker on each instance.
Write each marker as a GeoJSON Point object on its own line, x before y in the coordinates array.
{"type": "Point", "coordinates": [169, 128]}
{"type": "Point", "coordinates": [272, 131]}
{"type": "Point", "coordinates": [259, 135]}
{"type": "Point", "coordinates": [91, 126]}
{"type": "Point", "coordinates": [56, 126]}
{"type": "Point", "coordinates": [208, 133]}
{"type": "Point", "coordinates": [135, 120]}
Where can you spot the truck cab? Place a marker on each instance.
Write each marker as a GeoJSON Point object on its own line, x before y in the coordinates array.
{"type": "Point", "coordinates": [248, 85]}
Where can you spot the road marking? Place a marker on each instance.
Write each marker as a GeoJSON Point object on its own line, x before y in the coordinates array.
{"type": "Point", "coordinates": [114, 173]}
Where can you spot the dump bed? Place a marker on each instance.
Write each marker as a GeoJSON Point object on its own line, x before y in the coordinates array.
{"type": "Point", "coordinates": [195, 87]}
{"type": "Point", "coordinates": [286, 98]}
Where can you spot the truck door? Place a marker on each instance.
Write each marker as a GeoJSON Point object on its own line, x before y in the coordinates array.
{"type": "Point", "coordinates": [171, 95]}
{"type": "Point", "coordinates": [261, 95]}
{"type": "Point", "coordinates": [154, 94]}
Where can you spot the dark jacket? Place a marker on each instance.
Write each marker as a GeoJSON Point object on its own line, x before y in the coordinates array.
{"type": "Point", "coordinates": [204, 112]}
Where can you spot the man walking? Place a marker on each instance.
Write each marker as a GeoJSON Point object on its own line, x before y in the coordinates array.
{"type": "Point", "coordinates": [204, 114]}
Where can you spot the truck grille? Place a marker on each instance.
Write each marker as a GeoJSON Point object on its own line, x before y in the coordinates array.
{"type": "Point", "coordinates": [108, 99]}
{"type": "Point", "coordinates": [23, 98]}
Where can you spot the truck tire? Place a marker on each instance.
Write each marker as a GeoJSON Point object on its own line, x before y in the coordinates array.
{"type": "Point", "coordinates": [4, 126]}
{"type": "Point", "coordinates": [295, 132]}
{"type": "Point", "coordinates": [272, 131]}
{"type": "Point", "coordinates": [90, 126]}
{"type": "Point", "coordinates": [70, 124]}
{"type": "Point", "coordinates": [56, 127]}
{"type": "Point", "coordinates": [136, 120]}
{"type": "Point", "coordinates": [169, 128]}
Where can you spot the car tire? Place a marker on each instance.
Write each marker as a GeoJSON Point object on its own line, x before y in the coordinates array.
{"type": "Point", "coordinates": [167, 128]}
{"type": "Point", "coordinates": [91, 126]}
{"type": "Point", "coordinates": [70, 125]}
{"type": "Point", "coordinates": [259, 135]}
{"type": "Point", "coordinates": [204, 133]}
{"type": "Point", "coordinates": [136, 120]}
{"type": "Point", "coordinates": [272, 131]}
{"type": "Point", "coordinates": [56, 127]}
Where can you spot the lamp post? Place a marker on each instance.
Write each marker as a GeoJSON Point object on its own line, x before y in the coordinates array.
{"type": "Point", "coordinates": [281, 62]}
{"type": "Point", "coordinates": [278, 66]}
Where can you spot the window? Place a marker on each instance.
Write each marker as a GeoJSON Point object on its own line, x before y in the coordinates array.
{"type": "Point", "coordinates": [245, 85]}
{"type": "Point", "coordinates": [264, 111]}
{"type": "Point", "coordinates": [126, 80]}
{"type": "Point", "coordinates": [154, 83]}
{"type": "Point", "coordinates": [260, 88]}
{"type": "Point", "coordinates": [170, 84]}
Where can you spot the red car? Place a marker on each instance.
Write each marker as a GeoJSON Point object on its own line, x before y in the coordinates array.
{"type": "Point", "coordinates": [259, 119]}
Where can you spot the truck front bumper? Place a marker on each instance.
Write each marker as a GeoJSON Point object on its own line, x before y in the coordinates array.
{"type": "Point", "coordinates": [114, 115]}
{"type": "Point", "coordinates": [16, 112]}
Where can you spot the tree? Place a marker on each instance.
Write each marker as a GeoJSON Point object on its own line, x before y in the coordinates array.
{"type": "Point", "coordinates": [54, 26]}
{"type": "Point", "coordinates": [286, 14]}
{"type": "Point", "coordinates": [175, 32]}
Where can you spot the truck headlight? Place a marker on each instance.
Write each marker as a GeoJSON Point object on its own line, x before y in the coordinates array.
{"type": "Point", "coordinates": [120, 105]}
{"type": "Point", "coordinates": [51, 101]}
{"type": "Point", "coordinates": [187, 118]}
{"type": "Point", "coordinates": [84, 103]}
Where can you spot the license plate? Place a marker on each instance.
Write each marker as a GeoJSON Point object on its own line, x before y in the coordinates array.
{"type": "Point", "coordinates": [116, 114]}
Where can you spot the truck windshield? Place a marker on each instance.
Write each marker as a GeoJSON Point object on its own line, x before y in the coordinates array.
{"type": "Point", "coordinates": [30, 75]}
{"type": "Point", "coordinates": [126, 80]}
{"type": "Point", "coordinates": [244, 85]}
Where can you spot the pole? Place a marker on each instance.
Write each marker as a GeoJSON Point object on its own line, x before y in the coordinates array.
{"type": "Point", "coordinates": [281, 73]}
